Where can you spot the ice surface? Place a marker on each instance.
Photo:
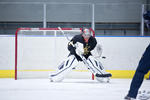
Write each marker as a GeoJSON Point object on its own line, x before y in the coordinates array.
{"type": "Point", "coordinates": [69, 89]}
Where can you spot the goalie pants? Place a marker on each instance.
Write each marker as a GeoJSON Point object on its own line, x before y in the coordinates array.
{"type": "Point", "coordinates": [142, 69]}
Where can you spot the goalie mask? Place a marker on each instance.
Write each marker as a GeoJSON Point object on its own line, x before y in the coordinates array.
{"type": "Point", "coordinates": [86, 33]}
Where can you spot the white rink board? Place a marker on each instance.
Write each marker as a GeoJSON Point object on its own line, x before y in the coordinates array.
{"type": "Point", "coordinates": [122, 53]}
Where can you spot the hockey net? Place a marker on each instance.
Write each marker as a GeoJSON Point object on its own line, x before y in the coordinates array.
{"type": "Point", "coordinates": [39, 51]}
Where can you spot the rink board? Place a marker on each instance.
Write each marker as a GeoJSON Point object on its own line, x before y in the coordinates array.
{"type": "Point", "coordinates": [87, 74]}
{"type": "Point", "coordinates": [122, 55]}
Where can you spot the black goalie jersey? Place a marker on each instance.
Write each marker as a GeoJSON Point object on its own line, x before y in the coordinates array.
{"type": "Point", "coordinates": [89, 46]}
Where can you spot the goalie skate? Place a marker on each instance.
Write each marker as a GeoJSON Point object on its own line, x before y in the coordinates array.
{"type": "Point", "coordinates": [54, 78]}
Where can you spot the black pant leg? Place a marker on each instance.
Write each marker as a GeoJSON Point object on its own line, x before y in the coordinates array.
{"type": "Point", "coordinates": [142, 69]}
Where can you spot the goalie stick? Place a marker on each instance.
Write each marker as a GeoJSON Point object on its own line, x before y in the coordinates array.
{"type": "Point", "coordinates": [64, 34]}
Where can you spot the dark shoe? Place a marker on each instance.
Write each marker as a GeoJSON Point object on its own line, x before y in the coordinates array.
{"type": "Point", "coordinates": [128, 98]}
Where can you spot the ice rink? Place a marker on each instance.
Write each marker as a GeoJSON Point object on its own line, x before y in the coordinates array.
{"type": "Point", "coordinates": [69, 89]}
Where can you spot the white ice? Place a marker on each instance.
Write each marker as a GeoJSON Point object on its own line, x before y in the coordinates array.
{"type": "Point", "coordinates": [69, 89]}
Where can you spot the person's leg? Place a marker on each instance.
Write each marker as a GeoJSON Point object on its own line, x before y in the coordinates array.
{"type": "Point", "coordinates": [142, 69]}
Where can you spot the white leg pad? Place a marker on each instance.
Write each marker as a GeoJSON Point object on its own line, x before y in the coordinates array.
{"type": "Point", "coordinates": [96, 65]}
{"type": "Point", "coordinates": [67, 66]}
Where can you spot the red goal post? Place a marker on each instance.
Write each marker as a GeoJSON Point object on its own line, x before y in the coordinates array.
{"type": "Point", "coordinates": [38, 29]}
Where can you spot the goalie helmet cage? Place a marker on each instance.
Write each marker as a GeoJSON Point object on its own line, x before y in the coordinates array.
{"type": "Point", "coordinates": [37, 30]}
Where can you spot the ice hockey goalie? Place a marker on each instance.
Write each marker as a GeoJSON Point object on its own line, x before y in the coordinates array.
{"type": "Point", "coordinates": [84, 48]}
